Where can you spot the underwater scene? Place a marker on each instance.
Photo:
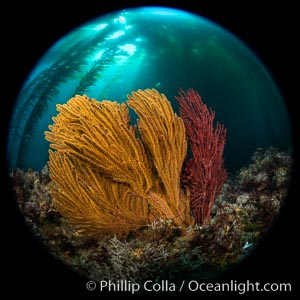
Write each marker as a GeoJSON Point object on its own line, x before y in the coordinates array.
{"type": "Point", "coordinates": [150, 143]}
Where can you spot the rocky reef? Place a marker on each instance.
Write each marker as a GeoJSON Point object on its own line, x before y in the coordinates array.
{"type": "Point", "coordinates": [244, 211]}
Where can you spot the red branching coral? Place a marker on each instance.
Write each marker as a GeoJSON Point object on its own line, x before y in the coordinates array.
{"type": "Point", "coordinates": [203, 174]}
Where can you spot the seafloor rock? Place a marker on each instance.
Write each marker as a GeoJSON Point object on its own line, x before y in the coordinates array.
{"type": "Point", "coordinates": [243, 212]}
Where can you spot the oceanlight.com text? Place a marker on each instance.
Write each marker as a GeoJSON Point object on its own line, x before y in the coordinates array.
{"type": "Point", "coordinates": [239, 287]}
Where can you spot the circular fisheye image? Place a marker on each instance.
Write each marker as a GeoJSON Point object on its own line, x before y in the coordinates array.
{"type": "Point", "coordinates": [150, 143]}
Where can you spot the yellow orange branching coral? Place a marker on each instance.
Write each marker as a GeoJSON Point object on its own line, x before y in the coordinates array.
{"type": "Point", "coordinates": [99, 134]}
{"type": "Point", "coordinates": [163, 134]}
{"type": "Point", "coordinates": [105, 178]}
{"type": "Point", "coordinates": [93, 203]}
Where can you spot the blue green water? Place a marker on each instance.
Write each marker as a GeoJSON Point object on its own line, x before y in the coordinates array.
{"type": "Point", "coordinates": [160, 48]}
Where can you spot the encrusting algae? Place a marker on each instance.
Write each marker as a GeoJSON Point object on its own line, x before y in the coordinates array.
{"type": "Point", "coordinates": [107, 179]}
{"type": "Point", "coordinates": [119, 200]}
{"type": "Point", "coordinates": [244, 211]}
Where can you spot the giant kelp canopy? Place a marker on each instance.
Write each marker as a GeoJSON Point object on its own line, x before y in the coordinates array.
{"type": "Point", "coordinates": [83, 62]}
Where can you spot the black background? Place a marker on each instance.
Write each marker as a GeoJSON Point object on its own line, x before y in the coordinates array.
{"type": "Point", "coordinates": [28, 30]}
